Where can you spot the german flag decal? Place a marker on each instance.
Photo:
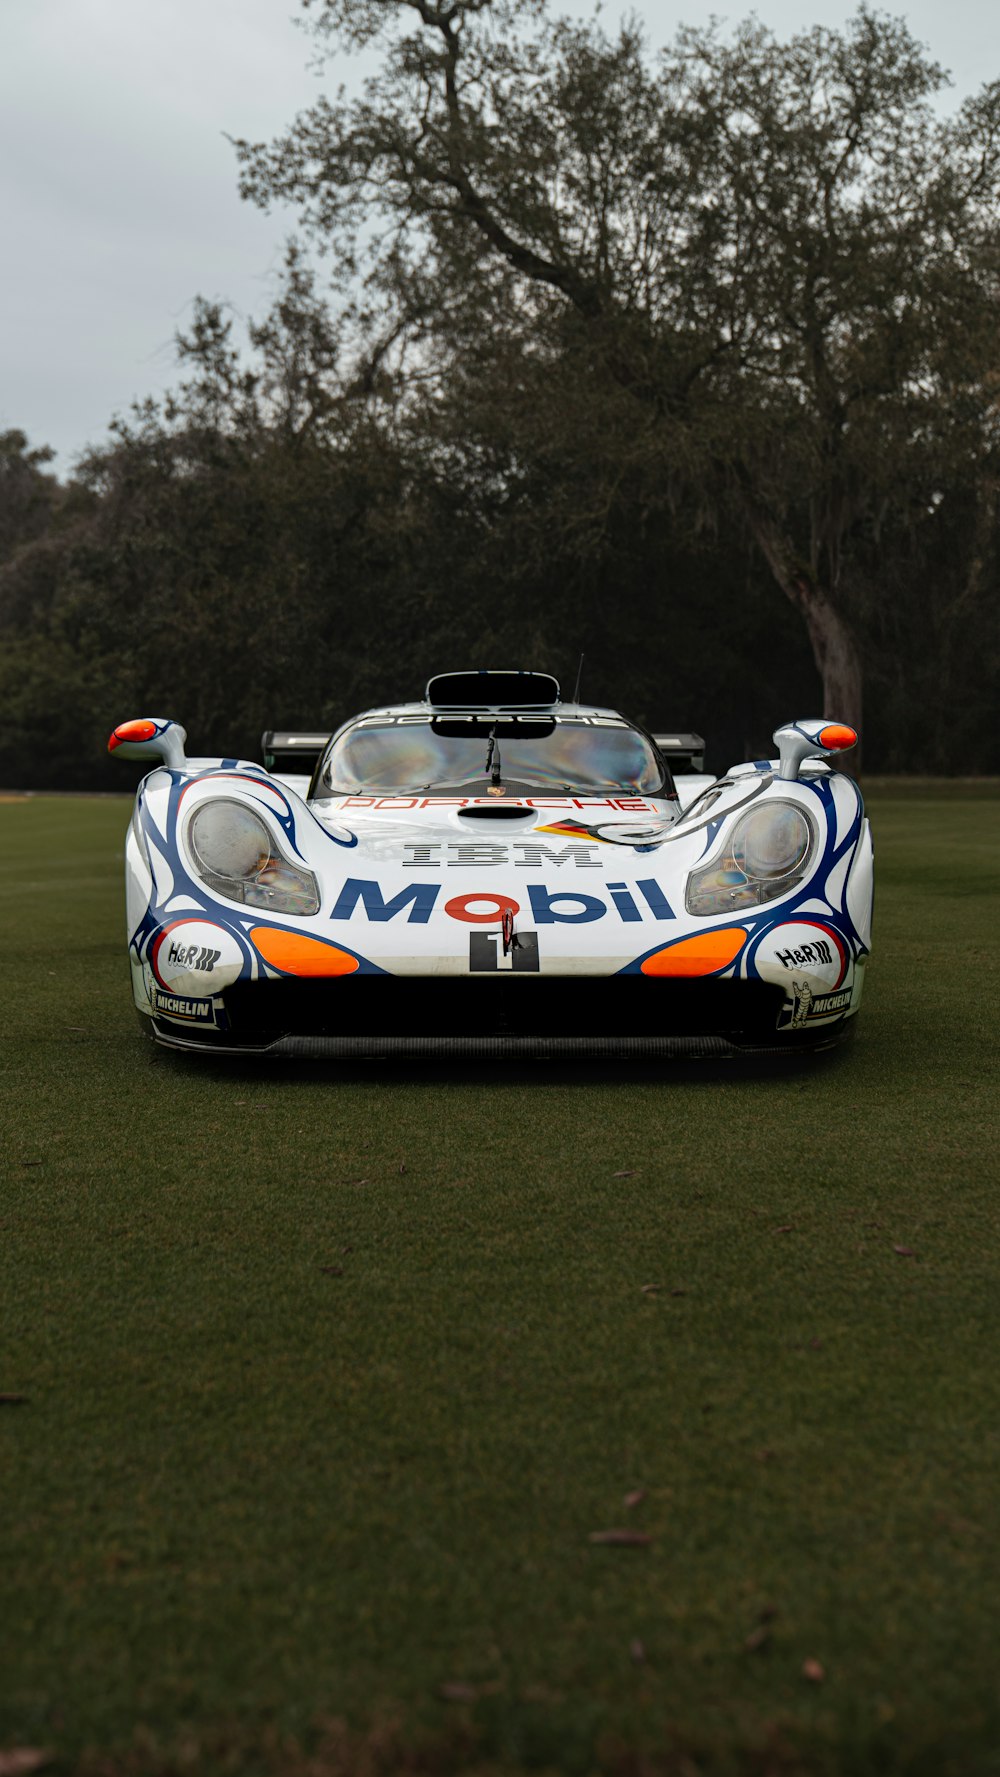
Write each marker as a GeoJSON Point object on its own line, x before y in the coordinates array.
{"type": "Point", "coordinates": [571, 829]}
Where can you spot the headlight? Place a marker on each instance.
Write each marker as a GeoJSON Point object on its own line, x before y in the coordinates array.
{"type": "Point", "coordinates": [234, 854]}
{"type": "Point", "coordinates": [767, 853]}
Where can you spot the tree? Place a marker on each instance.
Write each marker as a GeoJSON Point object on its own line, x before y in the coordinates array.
{"type": "Point", "coordinates": [762, 274]}
{"type": "Point", "coordinates": [28, 496]}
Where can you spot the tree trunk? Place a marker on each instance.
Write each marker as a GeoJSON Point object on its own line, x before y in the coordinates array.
{"type": "Point", "coordinates": [834, 644]}
{"type": "Point", "coordinates": [835, 651]}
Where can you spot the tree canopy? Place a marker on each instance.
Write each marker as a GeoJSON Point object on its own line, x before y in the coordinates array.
{"type": "Point", "coordinates": [764, 273]}
{"type": "Point", "coordinates": [688, 361]}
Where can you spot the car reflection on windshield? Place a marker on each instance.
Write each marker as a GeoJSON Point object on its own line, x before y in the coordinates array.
{"type": "Point", "coordinates": [441, 755]}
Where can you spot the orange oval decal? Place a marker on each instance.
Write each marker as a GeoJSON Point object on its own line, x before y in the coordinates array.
{"type": "Point", "coordinates": [131, 731]}
{"type": "Point", "coordinates": [700, 955]}
{"type": "Point", "coordinates": [837, 736]}
{"type": "Point", "coordinates": [297, 955]}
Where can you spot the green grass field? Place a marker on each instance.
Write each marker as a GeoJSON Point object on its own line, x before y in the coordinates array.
{"type": "Point", "coordinates": [331, 1378]}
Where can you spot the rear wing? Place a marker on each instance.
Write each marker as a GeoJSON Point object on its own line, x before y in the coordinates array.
{"type": "Point", "coordinates": [683, 752]}
{"type": "Point", "coordinates": [290, 750]}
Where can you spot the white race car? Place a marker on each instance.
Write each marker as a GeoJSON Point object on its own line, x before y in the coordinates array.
{"type": "Point", "coordinates": [494, 872]}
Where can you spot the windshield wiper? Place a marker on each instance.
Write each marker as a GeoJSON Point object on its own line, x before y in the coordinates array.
{"type": "Point", "coordinates": [493, 766]}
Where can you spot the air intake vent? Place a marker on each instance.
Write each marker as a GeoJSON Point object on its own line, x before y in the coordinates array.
{"type": "Point", "coordinates": [492, 690]}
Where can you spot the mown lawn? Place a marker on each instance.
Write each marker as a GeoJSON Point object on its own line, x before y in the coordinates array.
{"type": "Point", "coordinates": [331, 1378]}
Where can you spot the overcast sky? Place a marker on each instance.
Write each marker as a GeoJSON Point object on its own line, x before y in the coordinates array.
{"type": "Point", "coordinates": [118, 199]}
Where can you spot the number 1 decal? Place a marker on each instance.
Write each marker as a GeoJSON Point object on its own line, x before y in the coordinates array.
{"type": "Point", "coordinates": [486, 952]}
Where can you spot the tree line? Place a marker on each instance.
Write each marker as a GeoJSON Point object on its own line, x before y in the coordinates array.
{"type": "Point", "coordinates": [686, 362]}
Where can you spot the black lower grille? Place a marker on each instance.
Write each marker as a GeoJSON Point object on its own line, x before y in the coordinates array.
{"type": "Point", "coordinates": [453, 1009]}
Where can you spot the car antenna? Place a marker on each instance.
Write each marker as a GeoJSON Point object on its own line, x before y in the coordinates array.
{"type": "Point", "coordinates": [579, 676]}
{"type": "Point", "coordinates": [493, 764]}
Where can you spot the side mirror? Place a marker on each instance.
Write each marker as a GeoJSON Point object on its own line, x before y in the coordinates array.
{"type": "Point", "coordinates": [151, 737]}
{"type": "Point", "coordinates": [812, 738]}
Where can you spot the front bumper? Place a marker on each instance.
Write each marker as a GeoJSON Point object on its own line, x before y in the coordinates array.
{"type": "Point", "coordinates": [383, 1018]}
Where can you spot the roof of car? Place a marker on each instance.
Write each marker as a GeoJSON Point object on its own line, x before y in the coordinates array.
{"type": "Point", "coordinates": [577, 711]}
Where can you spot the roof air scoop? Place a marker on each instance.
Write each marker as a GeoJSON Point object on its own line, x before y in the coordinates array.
{"type": "Point", "coordinates": [492, 690]}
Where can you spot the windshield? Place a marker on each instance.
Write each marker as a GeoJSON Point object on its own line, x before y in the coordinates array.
{"type": "Point", "coordinates": [512, 754]}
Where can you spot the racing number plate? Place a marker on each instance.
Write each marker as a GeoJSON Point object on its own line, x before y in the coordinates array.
{"type": "Point", "coordinates": [486, 952]}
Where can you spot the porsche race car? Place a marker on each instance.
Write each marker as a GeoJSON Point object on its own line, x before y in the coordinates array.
{"type": "Point", "coordinates": [492, 871]}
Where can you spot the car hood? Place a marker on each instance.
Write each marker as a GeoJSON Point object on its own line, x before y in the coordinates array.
{"type": "Point", "coordinates": [420, 886]}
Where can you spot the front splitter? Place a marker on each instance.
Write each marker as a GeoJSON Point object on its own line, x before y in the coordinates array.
{"type": "Point", "coordinates": [470, 1048]}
